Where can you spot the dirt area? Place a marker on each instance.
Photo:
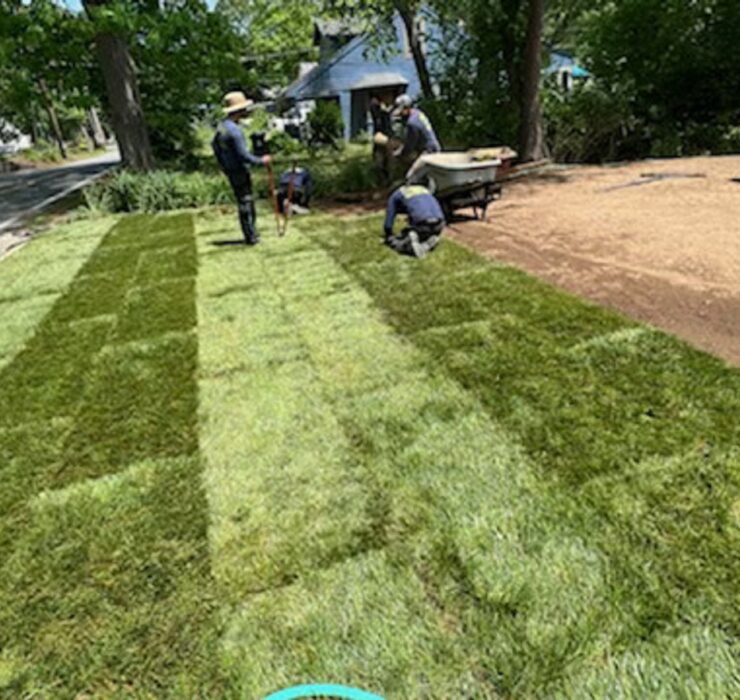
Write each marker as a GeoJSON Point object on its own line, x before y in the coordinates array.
{"type": "Point", "coordinates": [657, 240]}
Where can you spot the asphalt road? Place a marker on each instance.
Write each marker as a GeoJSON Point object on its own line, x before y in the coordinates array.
{"type": "Point", "coordinates": [26, 192]}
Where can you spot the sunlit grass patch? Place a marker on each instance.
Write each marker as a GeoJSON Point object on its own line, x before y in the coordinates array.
{"type": "Point", "coordinates": [583, 409]}
{"type": "Point", "coordinates": [284, 498]}
{"type": "Point", "coordinates": [366, 622]}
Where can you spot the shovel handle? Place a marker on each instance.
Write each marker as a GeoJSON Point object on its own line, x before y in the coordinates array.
{"type": "Point", "coordinates": [273, 196]}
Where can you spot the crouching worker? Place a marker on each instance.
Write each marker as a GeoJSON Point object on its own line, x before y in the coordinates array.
{"type": "Point", "coordinates": [295, 185]}
{"type": "Point", "coordinates": [231, 152]}
{"type": "Point", "coordinates": [425, 221]}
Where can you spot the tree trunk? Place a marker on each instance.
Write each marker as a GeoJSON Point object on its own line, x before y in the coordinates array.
{"type": "Point", "coordinates": [96, 128]}
{"type": "Point", "coordinates": [125, 103]}
{"type": "Point", "coordinates": [510, 47]}
{"type": "Point", "coordinates": [53, 120]}
{"type": "Point", "coordinates": [122, 88]}
{"type": "Point", "coordinates": [531, 138]}
{"type": "Point", "coordinates": [408, 16]}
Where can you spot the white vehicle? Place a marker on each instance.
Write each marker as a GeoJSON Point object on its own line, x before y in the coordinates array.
{"type": "Point", "coordinates": [12, 141]}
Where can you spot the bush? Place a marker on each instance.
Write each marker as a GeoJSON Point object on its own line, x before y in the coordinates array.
{"type": "Point", "coordinates": [280, 142]}
{"type": "Point", "coordinates": [591, 124]}
{"type": "Point", "coordinates": [326, 122]}
{"type": "Point", "coordinates": [42, 152]}
{"type": "Point", "coordinates": [159, 190]}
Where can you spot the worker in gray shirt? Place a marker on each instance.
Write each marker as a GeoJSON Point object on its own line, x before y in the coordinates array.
{"type": "Point", "coordinates": [420, 139]}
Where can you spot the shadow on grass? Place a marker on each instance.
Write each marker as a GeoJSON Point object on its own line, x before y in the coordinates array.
{"type": "Point", "coordinates": [103, 529]}
{"type": "Point", "coordinates": [231, 242]}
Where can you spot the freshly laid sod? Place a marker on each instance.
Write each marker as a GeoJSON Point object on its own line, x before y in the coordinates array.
{"type": "Point", "coordinates": [105, 584]}
{"type": "Point", "coordinates": [228, 470]}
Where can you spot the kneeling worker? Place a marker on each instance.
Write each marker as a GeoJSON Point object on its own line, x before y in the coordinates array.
{"type": "Point", "coordinates": [295, 185]}
{"type": "Point", "coordinates": [425, 220]}
{"type": "Point", "coordinates": [231, 152]}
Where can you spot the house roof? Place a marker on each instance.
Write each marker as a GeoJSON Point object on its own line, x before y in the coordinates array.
{"type": "Point", "coordinates": [377, 80]}
{"type": "Point", "coordinates": [355, 67]}
{"type": "Point", "coordinates": [310, 85]}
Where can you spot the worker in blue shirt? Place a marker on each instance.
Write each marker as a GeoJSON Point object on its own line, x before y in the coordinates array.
{"type": "Point", "coordinates": [420, 136]}
{"type": "Point", "coordinates": [231, 152]}
{"type": "Point", "coordinates": [420, 139]}
{"type": "Point", "coordinates": [296, 184]}
{"type": "Point", "coordinates": [425, 221]}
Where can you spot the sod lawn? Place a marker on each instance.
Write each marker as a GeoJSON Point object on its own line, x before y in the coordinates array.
{"type": "Point", "coordinates": [228, 470]}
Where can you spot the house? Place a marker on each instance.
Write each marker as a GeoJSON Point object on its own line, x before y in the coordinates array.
{"type": "Point", "coordinates": [565, 69]}
{"type": "Point", "coordinates": [350, 72]}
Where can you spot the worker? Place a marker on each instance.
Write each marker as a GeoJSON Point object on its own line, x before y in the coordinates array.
{"type": "Point", "coordinates": [425, 221]}
{"type": "Point", "coordinates": [231, 152]}
{"type": "Point", "coordinates": [420, 139]}
{"type": "Point", "coordinates": [380, 114]}
{"type": "Point", "coordinates": [297, 184]}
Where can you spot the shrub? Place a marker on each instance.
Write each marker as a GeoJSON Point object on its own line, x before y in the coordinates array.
{"type": "Point", "coordinates": [160, 190]}
{"type": "Point", "coordinates": [280, 142]}
{"type": "Point", "coordinates": [326, 122]}
{"type": "Point", "coordinates": [593, 123]}
{"type": "Point", "coordinates": [42, 152]}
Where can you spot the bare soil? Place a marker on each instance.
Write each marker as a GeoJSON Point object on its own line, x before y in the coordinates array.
{"type": "Point", "coordinates": [658, 240]}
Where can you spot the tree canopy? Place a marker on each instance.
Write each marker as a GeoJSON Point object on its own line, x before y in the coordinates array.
{"type": "Point", "coordinates": [665, 74]}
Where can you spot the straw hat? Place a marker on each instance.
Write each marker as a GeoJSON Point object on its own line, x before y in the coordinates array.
{"type": "Point", "coordinates": [236, 102]}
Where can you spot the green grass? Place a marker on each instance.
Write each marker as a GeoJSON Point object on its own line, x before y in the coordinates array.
{"type": "Point", "coordinates": [228, 470]}
{"type": "Point", "coordinates": [105, 584]}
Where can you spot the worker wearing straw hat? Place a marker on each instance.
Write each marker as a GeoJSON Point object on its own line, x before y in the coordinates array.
{"type": "Point", "coordinates": [231, 152]}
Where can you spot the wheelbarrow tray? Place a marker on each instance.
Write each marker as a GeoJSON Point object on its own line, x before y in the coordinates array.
{"type": "Point", "coordinates": [450, 173]}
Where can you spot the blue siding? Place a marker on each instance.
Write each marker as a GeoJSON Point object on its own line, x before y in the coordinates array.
{"type": "Point", "coordinates": [355, 67]}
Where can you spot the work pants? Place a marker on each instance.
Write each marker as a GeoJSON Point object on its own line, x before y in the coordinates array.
{"type": "Point", "coordinates": [241, 184]}
{"type": "Point", "coordinates": [427, 233]}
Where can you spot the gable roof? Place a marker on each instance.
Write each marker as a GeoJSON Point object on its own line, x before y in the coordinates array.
{"type": "Point", "coordinates": [311, 85]}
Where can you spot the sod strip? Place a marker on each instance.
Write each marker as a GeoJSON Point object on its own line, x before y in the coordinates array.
{"type": "Point", "coordinates": [635, 436]}
{"type": "Point", "coordinates": [35, 277]}
{"type": "Point", "coordinates": [294, 506]}
{"type": "Point", "coordinates": [463, 531]}
{"type": "Point", "coordinates": [105, 585]}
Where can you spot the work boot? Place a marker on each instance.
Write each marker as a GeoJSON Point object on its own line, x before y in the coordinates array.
{"type": "Point", "coordinates": [417, 247]}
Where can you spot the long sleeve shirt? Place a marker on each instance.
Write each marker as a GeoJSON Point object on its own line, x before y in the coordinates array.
{"type": "Point", "coordinates": [420, 136]}
{"type": "Point", "coordinates": [230, 148]}
{"type": "Point", "coordinates": [416, 202]}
